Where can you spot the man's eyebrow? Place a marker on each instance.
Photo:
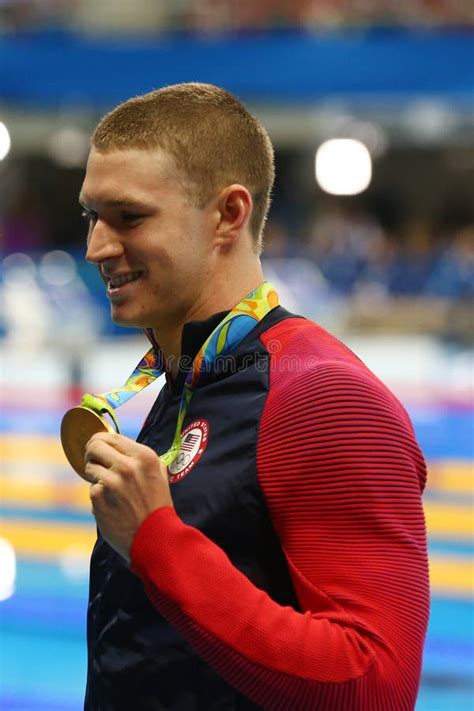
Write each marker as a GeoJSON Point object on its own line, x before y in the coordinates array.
{"type": "Point", "coordinates": [114, 202]}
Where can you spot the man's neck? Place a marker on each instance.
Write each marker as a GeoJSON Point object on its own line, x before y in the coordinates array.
{"type": "Point", "coordinates": [170, 339]}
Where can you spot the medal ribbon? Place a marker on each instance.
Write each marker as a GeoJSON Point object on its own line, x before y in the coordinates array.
{"type": "Point", "coordinates": [223, 340]}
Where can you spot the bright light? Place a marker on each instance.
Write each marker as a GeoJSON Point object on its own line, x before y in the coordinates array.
{"type": "Point", "coordinates": [19, 267]}
{"type": "Point", "coordinates": [8, 568]}
{"type": "Point", "coordinates": [5, 141]}
{"type": "Point", "coordinates": [69, 147]}
{"type": "Point", "coordinates": [343, 166]}
{"type": "Point", "coordinates": [57, 268]}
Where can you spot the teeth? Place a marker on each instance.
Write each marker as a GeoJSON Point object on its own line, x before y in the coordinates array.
{"type": "Point", "coordinates": [121, 279]}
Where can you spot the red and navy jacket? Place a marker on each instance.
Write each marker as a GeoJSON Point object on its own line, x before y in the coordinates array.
{"type": "Point", "coordinates": [292, 571]}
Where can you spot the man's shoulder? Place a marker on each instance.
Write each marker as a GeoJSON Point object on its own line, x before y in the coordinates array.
{"type": "Point", "coordinates": [304, 356]}
{"type": "Point", "coordinates": [306, 342]}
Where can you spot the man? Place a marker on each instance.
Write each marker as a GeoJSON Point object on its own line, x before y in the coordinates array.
{"type": "Point", "coordinates": [279, 561]}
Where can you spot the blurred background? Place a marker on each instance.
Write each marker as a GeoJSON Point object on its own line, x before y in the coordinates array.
{"type": "Point", "coordinates": [371, 233]}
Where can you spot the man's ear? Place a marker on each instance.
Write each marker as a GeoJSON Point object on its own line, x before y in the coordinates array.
{"type": "Point", "coordinates": [234, 205]}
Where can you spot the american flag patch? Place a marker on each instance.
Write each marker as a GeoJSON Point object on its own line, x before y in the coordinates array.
{"type": "Point", "coordinates": [193, 445]}
{"type": "Point", "coordinates": [189, 442]}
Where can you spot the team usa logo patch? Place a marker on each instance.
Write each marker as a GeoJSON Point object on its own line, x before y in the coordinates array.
{"type": "Point", "coordinates": [193, 445]}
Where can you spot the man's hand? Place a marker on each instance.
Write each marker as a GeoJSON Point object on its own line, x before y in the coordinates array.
{"type": "Point", "coordinates": [130, 482]}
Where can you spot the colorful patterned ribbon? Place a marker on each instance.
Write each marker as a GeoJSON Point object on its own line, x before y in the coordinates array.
{"type": "Point", "coordinates": [222, 341]}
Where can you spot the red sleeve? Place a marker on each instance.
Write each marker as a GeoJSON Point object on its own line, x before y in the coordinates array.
{"type": "Point", "coordinates": [340, 470]}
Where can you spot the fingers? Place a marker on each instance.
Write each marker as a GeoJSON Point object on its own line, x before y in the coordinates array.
{"type": "Point", "coordinates": [95, 473]}
{"type": "Point", "coordinates": [113, 452]}
{"type": "Point", "coordinates": [102, 459]}
{"type": "Point", "coordinates": [121, 444]}
{"type": "Point", "coordinates": [105, 487]}
{"type": "Point", "coordinates": [121, 454]}
{"type": "Point", "coordinates": [98, 451]}
{"type": "Point", "coordinates": [108, 452]}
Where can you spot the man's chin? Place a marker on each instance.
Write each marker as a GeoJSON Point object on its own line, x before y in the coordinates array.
{"type": "Point", "coordinates": [121, 319]}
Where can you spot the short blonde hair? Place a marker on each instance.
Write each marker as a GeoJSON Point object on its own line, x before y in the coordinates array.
{"type": "Point", "coordinates": [214, 140]}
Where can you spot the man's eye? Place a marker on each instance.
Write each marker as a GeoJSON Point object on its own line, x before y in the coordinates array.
{"type": "Point", "coordinates": [131, 218]}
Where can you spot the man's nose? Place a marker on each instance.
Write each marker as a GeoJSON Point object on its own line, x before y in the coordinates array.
{"type": "Point", "coordinates": [102, 244]}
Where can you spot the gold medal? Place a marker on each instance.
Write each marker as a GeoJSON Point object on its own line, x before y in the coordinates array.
{"type": "Point", "coordinates": [77, 427]}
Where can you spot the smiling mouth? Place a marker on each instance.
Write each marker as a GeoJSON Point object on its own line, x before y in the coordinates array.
{"type": "Point", "coordinates": [119, 280]}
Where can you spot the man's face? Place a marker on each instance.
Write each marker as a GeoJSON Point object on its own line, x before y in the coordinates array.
{"type": "Point", "coordinates": [153, 248]}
